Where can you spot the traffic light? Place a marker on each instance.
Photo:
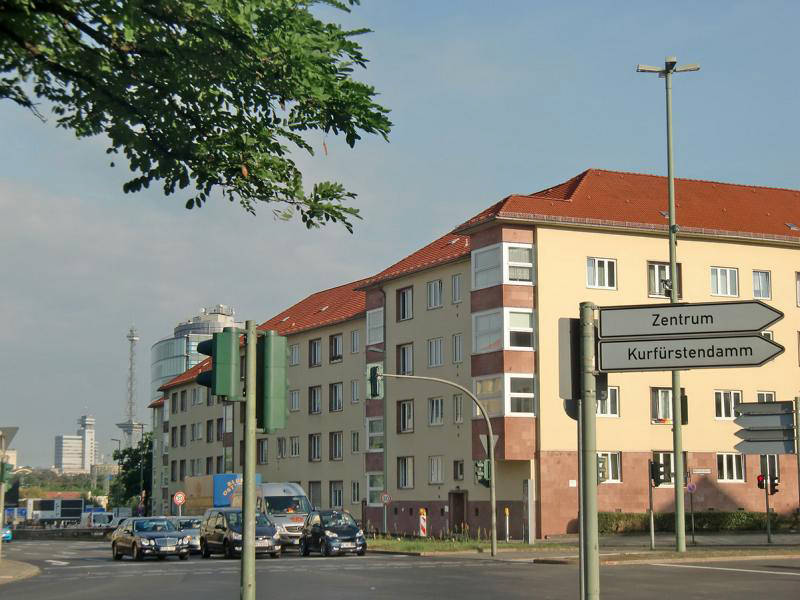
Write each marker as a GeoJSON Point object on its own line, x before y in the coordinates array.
{"type": "Point", "coordinates": [602, 468]}
{"type": "Point", "coordinates": [374, 381]}
{"type": "Point", "coordinates": [773, 485]}
{"type": "Point", "coordinates": [223, 378]}
{"type": "Point", "coordinates": [761, 482]}
{"type": "Point", "coordinates": [657, 473]}
{"type": "Point", "coordinates": [271, 382]}
{"type": "Point", "coordinates": [483, 472]}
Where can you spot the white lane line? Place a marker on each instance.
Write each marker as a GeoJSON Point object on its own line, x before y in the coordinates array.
{"type": "Point", "coordinates": [58, 563]}
{"type": "Point", "coordinates": [725, 569]}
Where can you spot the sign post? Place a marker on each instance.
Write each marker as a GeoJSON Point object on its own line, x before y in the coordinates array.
{"type": "Point", "coordinates": [179, 498]}
{"type": "Point", "coordinates": [692, 488]}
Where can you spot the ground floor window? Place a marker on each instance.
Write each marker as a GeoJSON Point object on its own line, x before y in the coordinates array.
{"type": "Point", "coordinates": [730, 467]}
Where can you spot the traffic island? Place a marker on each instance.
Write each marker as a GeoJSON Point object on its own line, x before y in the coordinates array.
{"type": "Point", "coordinates": [13, 570]}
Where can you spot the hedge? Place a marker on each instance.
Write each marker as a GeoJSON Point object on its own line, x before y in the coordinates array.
{"type": "Point", "coordinates": [615, 522]}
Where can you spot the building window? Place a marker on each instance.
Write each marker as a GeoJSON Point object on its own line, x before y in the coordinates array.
{"type": "Point", "coordinates": [335, 397]}
{"type": "Point", "coordinates": [315, 352]}
{"type": "Point", "coordinates": [174, 402]}
{"type": "Point", "coordinates": [765, 396]}
{"type": "Point", "coordinates": [487, 267]}
{"type": "Point", "coordinates": [314, 400]}
{"type": "Point", "coordinates": [354, 442]}
{"type": "Point", "coordinates": [435, 352]}
{"type": "Point", "coordinates": [195, 396]}
{"type": "Point", "coordinates": [666, 459]}
{"type": "Point", "coordinates": [173, 470]}
{"type": "Point", "coordinates": [435, 470]}
{"type": "Point", "coordinates": [770, 466]}
{"type": "Point", "coordinates": [724, 281]}
{"type": "Point", "coordinates": [601, 273]}
{"type": "Point", "coordinates": [609, 406]}
{"type": "Point", "coordinates": [219, 465]}
{"type": "Point", "coordinates": [210, 431]}
{"type": "Point", "coordinates": [405, 359]}
{"type": "Point", "coordinates": [262, 450]}
{"type": "Point", "coordinates": [458, 470]}
{"type": "Point", "coordinates": [458, 408]}
{"type": "Point", "coordinates": [762, 285]}
{"type": "Point", "coordinates": [724, 401]}
{"type": "Point", "coordinates": [336, 494]}
{"type": "Point", "coordinates": [489, 391]}
{"type": "Point", "coordinates": [456, 288]}
{"type": "Point", "coordinates": [335, 445]}
{"type": "Point", "coordinates": [209, 397]}
{"type": "Point", "coordinates": [335, 347]}
{"type": "Point", "coordinates": [209, 465]}
{"type": "Point", "coordinates": [220, 429]}
{"type": "Point", "coordinates": [314, 447]}
{"type": "Point", "coordinates": [375, 326]}
{"type": "Point", "coordinates": [174, 437]}
{"type": "Point", "coordinates": [435, 294]}
{"type": "Point", "coordinates": [520, 264]}
{"type": "Point", "coordinates": [355, 392]}
{"type": "Point", "coordinates": [294, 446]}
{"type": "Point", "coordinates": [355, 492]}
{"type": "Point", "coordinates": [183, 401]}
{"type": "Point", "coordinates": [520, 330]}
{"type": "Point", "coordinates": [355, 341]}
{"type": "Point", "coordinates": [405, 304]}
{"type": "Point", "coordinates": [661, 405]}
{"type": "Point", "coordinates": [182, 468]}
{"type": "Point", "coordinates": [405, 416]}
{"type": "Point", "coordinates": [228, 413]}
{"type": "Point", "coordinates": [521, 394]}
{"type": "Point", "coordinates": [183, 436]}
{"type": "Point", "coordinates": [613, 462]}
{"type": "Point", "coordinates": [658, 280]}
{"type": "Point", "coordinates": [458, 348]}
{"type": "Point", "coordinates": [730, 467]}
{"type": "Point", "coordinates": [405, 472]}
{"type": "Point", "coordinates": [436, 411]}
{"type": "Point", "coordinates": [796, 287]}
{"type": "Point", "coordinates": [488, 332]}
{"type": "Point", "coordinates": [375, 434]}
{"type": "Point", "coordinates": [281, 447]}
{"type": "Point", "coordinates": [375, 488]}
{"type": "Point", "coordinates": [294, 400]}
{"type": "Point", "coordinates": [294, 354]}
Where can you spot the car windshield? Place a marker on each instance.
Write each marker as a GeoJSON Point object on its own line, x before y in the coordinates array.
{"type": "Point", "coordinates": [338, 519]}
{"type": "Point", "coordinates": [189, 523]}
{"type": "Point", "coordinates": [287, 504]}
{"type": "Point", "coordinates": [153, 525]}
{"type": "Point", "coordinates": [235, 520]}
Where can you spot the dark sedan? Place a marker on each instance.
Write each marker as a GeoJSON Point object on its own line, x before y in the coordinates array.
{"type": "Point", "coordinates": [222, 532]}
{"type": "Point", "coordinates": [149, 536]}
{"type": "Point", "coordinates": [332, 532]}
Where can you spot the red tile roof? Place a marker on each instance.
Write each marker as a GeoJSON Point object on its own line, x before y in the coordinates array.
{"type": "Point", "coordinates": [158, 402]}
{"type": "Point", "coordinates": [187, 376]}
{"type": "Point", "coordinates": [448, 248]}
{"type": "Point", "coordinates": [597, 197]}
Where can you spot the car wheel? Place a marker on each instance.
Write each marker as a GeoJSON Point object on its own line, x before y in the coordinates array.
{"type": "Point", "coordinates": [184, 556]}
{"type": "Point", "coordinates": [204, 549]}
{"type": "Point", "coordinates": [361, 552]}
{"type": "Point", "coordinates": [136, 554]}
{"type": "Point", "coordinates": [323, 548]}
{"type": "Point", "coordinates": [275, 555]}
{"type": "Point", "coordinates": [114, 553]}
{"type": "Point", "coordinates": [304, 548]}
{"type": "Point", "coordinates": [228, 549]}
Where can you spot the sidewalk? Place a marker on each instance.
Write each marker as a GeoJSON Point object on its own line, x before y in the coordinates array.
{"type": "Point", "coordinates": [13, 570]}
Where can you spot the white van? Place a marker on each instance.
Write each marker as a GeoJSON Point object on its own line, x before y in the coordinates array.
{"type": "Point", "coordinates": [96, 519]}
{"type": "Point", "coordinates": [287, 504]}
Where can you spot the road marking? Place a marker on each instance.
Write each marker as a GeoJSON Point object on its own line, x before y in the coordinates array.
{"type": "Point", "coordinates": [57, 563]}
{"type": "Point", "coordinates": [726, 569]}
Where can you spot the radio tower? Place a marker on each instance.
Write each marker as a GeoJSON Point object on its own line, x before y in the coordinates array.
{"type": "Point", "coordinates": [130, 425]}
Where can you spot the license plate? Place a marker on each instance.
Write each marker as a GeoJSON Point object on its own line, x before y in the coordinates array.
{"type": "Point", "coordinates": [167, 548]}
{"type": "Point", "coordinates": [348, 545]}
{"type": "Point", "coordinates": [262, 543]}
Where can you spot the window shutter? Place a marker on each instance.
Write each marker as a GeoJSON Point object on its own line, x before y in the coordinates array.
{"type": "Point", "coordinates": [684, 407]}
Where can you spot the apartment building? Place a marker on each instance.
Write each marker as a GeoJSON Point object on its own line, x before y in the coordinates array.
{"type": "Point", "coordinates": [480, 307]}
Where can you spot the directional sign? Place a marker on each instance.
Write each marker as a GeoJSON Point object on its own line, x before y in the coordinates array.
{"type": "Point", "coordinates": [686, 319]}
{"type": "Point", "coordinates": [686, 353]}
{"type": "Point", "coordinates": [764, 408]}
{"type": "Point", "coordinates": [765, 435]}
{"type": "Point", "coordinates": [784, 447]}
{"type": "Point", "coordinates": [782, 421]}
{"type": "Point", "coordinates": [768, 427]}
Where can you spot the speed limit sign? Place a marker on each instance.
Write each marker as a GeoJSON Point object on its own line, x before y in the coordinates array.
{"type": "Point", "coordinates": [386, 498]}
{"type": "Point", "coordinates": [179, 498]}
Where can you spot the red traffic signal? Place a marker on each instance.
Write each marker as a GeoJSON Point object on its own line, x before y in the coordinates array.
{"type": "Point", "coordinates": [761, 482]}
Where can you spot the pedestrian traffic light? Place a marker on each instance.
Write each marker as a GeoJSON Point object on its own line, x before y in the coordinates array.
{"type": "Point", "coordinates": [271, 382]}
{"type": "Point", "coordinates": [773, 485]}
{"type": "Point", "coordinates": [374, 381]}
{"type": "Point", "coordinates": [483, 472]}
{"type": "Point", "coordinates": [224, 377]}
{"type": "Point", "coordinates": [602, 468]}
{"type": "Point", "coordinates": [761, 482]}
{"type": "Point", "coordinates": [657, 474]}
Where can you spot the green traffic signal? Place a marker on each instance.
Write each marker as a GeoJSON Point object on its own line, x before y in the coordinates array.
{"type": "Point", "coordinates": [271, 382]}
{"type": "Point", "coordinates": [224, 376]}
{"type": "Point", "coordinates": [483, 472]}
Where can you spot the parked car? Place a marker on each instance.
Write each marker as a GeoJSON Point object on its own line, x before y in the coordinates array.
{"type": "Point", "coordinates": [332, 532]}
{"type": "Point", "coordinates": [189, 526]}
{"type": "Point", "coordinates": [288, 506]}
{"type": "Point", "coordinates": [149, 536]}
{"type": "Point", "coordinates": [117, 521]}
{"type": "Point", "coordinates": [222, 533]}
{"type": "Point", "coordinates": [5, 534]}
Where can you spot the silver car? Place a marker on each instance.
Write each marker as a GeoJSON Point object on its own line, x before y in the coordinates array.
{"type": "Point", "coordinates": [189, 526]}
{"type": "Point", "coordinates": [288, 506]}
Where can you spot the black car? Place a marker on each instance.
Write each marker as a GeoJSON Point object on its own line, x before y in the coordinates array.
{"type": "Point", "coordinates": [149, 536]}
{"type": "Point", "coordinates": [222, 533]}
{"type": "Point", "coordinates": [332, 532]}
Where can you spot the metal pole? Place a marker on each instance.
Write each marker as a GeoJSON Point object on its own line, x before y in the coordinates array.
{"type": "Point", "coordinates": [248, 583]}
{"type": "Point", "coordinates": [507, 517]}
{"type": "Point", "coordinates": [677, 438]}
{"type": "Point", "coordinates": [691, 510]}
{"type": "Point", "coordinates": [2, 492]}
{"type": "Point", "coordinates": [589, 451]}
{"type": "Point", "coordinates": [650, 494]}
{"type": "Point", "coordinates": [581, 506]}
{"type": "Point", "coordinates": [489, 443]}
{"type": "Point", "coordinates": [797, 443]}
{"type": "Point", "coordinates": [766, 503]}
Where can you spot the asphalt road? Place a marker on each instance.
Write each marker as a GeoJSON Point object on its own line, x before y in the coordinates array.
{"type": "Point", "coordinates": [85, 571]}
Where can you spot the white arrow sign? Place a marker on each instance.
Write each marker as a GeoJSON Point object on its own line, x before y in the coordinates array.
{"type": "Point", "coordinates": [483, 437]}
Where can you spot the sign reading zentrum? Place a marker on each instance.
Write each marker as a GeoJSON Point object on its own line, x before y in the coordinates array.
{"type": "Point", "coordinates": [686, 336]}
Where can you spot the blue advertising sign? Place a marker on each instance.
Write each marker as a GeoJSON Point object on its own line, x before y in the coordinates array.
{"type": "Point", "coordinates": [225, 485]}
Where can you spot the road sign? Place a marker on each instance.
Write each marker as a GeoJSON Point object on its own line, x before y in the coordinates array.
{"type": "Point", "coordinates": [691, 487]}
{"type": "Point", "coordinates": [781, 421]}
{"type": "Point", "coordinates": [764, 408]}
{"type": "Point", "coordinates": [686, 319]}
{"type": "Point", "coordinates": [179, 498]}
{"type": "Point", "coordinates": [386, 498]}
{"type": "Point", "coordinates": [765, 435]}
{"type": "Point", "coordinates": [767, 427]}
{"type": "Point", "coordinates": [774, 447]}
{"type": "Point", "coordinates": [686, 353]}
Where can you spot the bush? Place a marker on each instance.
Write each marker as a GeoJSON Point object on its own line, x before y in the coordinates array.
{"type": "Point", "coordinates": [614, 522]}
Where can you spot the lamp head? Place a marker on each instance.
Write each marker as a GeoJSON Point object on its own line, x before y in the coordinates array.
{"type": "Point", "coordinates": [669, 63]}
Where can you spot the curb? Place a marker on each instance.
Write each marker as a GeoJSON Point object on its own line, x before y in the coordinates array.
{"type": "Point", "coordinates": [20, 570]}
{"type": "Point", "coordinates": [399, 553]}
{"type": "Point", "coordinates": [697, 559]}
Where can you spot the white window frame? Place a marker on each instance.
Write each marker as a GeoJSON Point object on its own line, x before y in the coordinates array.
{"type": "Point", "coordinates": [508, 263]}
{"type": "Point", "coordinates": [661, 272]}
{"type": "Point", "coordinates": [435, 470]}
{"type": "Point", "coordinates": [609, 407]}
{"type": "Point", "coordinates": [659, 456]}
{"type": "Point", "coordinates": [614, 474]}
{"type": "Point", "coordinates": [375, 326]}
{"type": "Point", "coordinates": [455, 288]}
{"type": "Point", "coordinates": [336, 452]}
{"type": "Point", "coordinates": [436, 411]}
{"type": "Point", "coordinates": [405, 303]}
{"type": "Point", "coordinates": [262, 451]}
{"type": "Point", "coordinates": [458, 470]}
{"type": "Point", "coordinates": [436, 352]}
{"type": "Point", "coordinates": [458, 408]}
{"type": "Point", "coordinates": [507, 329]}
{"type": "Point", "coordinates": [355, 492]}
{"type": "Point", "coordinates": [336, 493]}
{"type": "Point", "coordinates": [435, 292]}
{"type": "Point", "coordinates": [733, 467]}
{"type": "Point", "coordinates": [375, 487]}
{"type": "Point", "coordinates": [727, 272]}
{"type": "Point", "coordinates": [315, 451]}
{"type": "Point", "coordinates": [764, 396]}
{"type": "Point", "coordinates": [726, 400]}
{"type": "Point", "coordinates": [405, 472]}
{"type": "Point", "coordinates": [769, 460]}
{"type": "Point", "coordinates": [768, 295]}
{"type": "Point", "coordinates": [372, 435]}
{"type": "Point", "coordinates": [355, 391]}
{"type": "Point", "coordinates": [509, 395]}
{"type": "Point", "coordinates": [355, 442]}
{"type": "Point", "coordinates": [495, 400]}
{"type": "Point", "coordinates": [315, 352]}
{"type": "Point", "coordinates": [355, 341]}
{"type": "Point", "coordinates": [595, 283]}
{"type": "Point", "coordinates": [336, 400]}
{"type": "Point", "coordinates": [664, 399]}
{"type": "Point", "coordinates": [406, 416]}
{"type": "Point", "coordinates": [294, 400]}
{"type": "Point", "coordinates": [495, 331]}
{"type": "Point", "coordinates": [458, 348]}
{"type": "Point", "coordinates": [336, 342]}
{"type": "Point", "coordinates": [494, 270]}
{"type": "Point", "coordinates": [294, 446]}
{"type": "Point", "coordinates": [281, 453]}
{"type": "Point", "coordinates": [406, 359]}
{"type": "Point", "coordinates": [315, 401]}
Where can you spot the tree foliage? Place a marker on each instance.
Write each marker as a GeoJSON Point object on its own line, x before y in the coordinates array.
{"type": "Point", "coordinates": [135, 468]}
{"type": "Point", "coordinates": [200, 94]}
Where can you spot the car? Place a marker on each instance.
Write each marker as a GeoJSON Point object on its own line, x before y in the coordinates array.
{"type": "Point", "coordinates": [222, 533]}
{"type": "Point", "coordinates": [288, 506]}
{"type": "Point", "coordinates": [189, 526]}
{"type": "Point", "coordinates": [332, 532]}
{"type": "Point", "coordinates": [5, 534]}
{"type": "Point", "coordinates": [141, 537]}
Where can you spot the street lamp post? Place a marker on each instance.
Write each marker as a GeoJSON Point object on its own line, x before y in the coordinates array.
{"type": "Point", "coordinates": [677, 438]}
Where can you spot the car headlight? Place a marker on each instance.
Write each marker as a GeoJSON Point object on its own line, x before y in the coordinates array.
{"type": "Point", "coordinates": [145, 541]}
{"type": "Point", "coordinates": [276, 536]}
{"type": "Point", "coordinates": [331, 534]}
{"type": "Point", "coordinates": [360, 533]}
{"type": "Point", "coordinates": [236, 536]}
{"type": "Point", "coordinates": [280, 528]}
{"type": "Point", "coordinates": [187, 539]}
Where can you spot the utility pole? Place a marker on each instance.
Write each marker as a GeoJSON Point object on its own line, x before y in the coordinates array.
{"type": "Point", "coordinates": [248, 587]}
{"type": "Point", "coordinates": [677, 436]}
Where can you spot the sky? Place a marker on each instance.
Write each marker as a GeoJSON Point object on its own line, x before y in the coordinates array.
{"type": "Point", "coordinates": [487, 99]}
